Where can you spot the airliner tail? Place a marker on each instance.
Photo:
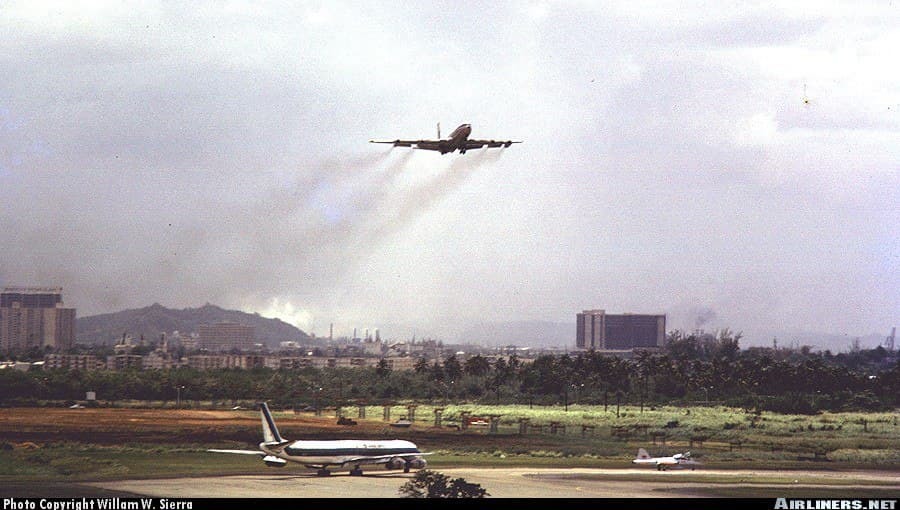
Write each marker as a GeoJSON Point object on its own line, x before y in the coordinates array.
{"type": "Point", "coordinates": [270, 431]}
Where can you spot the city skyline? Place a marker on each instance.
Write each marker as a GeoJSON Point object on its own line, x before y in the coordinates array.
{"type": "Point", "coordinates": [559, 335]}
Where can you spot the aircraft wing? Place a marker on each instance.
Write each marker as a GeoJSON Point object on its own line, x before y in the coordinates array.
{"type": "Point", "coordinates": [432, 145]}
{"type": "Point", "coordinates": [477, 144]}
{"type": "Point", "coordinates": [243, 452]}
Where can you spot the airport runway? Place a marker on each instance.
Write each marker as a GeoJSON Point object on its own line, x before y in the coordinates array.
{"type": "Point", "coordinates": [499, 482]}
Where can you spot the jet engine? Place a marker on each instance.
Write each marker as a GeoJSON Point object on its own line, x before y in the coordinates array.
{"type": "Point", "coordinates": [395, 463]}
{"type": "Point", "coordinates": [405, 465]}
{"type": "Point", "coordinates": [417, 464]}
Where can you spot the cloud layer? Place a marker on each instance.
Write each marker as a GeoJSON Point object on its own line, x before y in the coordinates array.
{"type": "Point", "coordinates": [731, 167]}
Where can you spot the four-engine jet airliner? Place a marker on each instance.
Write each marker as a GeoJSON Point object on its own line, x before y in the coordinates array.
{"type": "Point", "coordinates": [458, 140]}
{"type": "Point", "coordinates": [661, 463]}
{"type": "Point", "coordinates": [276, 451]}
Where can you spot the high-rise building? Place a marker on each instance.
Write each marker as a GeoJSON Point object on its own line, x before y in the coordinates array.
{"type": "Point", "coordinates": [82, 362]}
{"type": "Point", "coordinates": [595, 329]}
{"type": "Point", "coordinates": [224, 336]}
{"type": "Point", "coordinates": [35, 317]}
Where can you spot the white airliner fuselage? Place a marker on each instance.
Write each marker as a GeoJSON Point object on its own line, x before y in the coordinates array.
{"type": "Point", "coordinates": [320, 454]}
{"type": "Point", "coordinates": [459, 136]}
{"type": "Point", "coordinates": [662, 463]}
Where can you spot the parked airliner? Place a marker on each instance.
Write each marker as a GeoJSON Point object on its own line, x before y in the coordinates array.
{"type": "Point", "coordinates": [277, 451]}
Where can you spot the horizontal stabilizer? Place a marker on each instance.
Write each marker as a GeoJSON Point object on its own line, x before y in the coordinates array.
{"type": "Point", "coordinates": [273, 461]}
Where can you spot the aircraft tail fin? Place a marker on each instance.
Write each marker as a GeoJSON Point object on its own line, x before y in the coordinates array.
{"type": "Point", "coordinates": [270, 431]}
{"type": "Point", "coordinates": [439, 131]}
{"type": "Point", "coordinates": [642, 454]}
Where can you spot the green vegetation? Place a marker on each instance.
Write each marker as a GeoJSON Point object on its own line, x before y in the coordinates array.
{"type": "Point", "coordinates": [55, 465]}
{"type": "Point", "coordinates": [864, 440]}
{"type": "Point", "coordinates": [719, 433]}
{"type": "Point", "coordinates": [691, 369]}
{"type": "Point", "coordinates": [431, 484]}
{"type": "Point", "coordinates": [755, 409]}
{"type": "Point", "coordinates": [719, 437]}
{"type": "Point", "coordinates": [78, 461]}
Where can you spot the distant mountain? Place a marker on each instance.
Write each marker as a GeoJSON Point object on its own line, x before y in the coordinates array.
{"type": "Point", "coordinates": [154, 320]}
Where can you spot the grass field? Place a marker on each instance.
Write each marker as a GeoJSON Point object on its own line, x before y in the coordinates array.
{"type": "Point", "coordinates": [55, 444]}
{"type": "Point", "coordinates": [25, 472]}
{"type": "Point", "coordinates": [727, 433]}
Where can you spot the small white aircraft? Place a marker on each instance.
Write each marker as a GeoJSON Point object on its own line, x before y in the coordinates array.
{"type": "Point", "coordinates": [276, 451]}
{"type": "Point", "coordinates": [662, 463]}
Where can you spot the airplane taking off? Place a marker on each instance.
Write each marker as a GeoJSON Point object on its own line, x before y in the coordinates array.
{"type": "Point", "coordinates": [661, 463]}
{"type": "Point", "coordinates": [458, 140]}
{"type": "Point", "coordinates": [276, 451]}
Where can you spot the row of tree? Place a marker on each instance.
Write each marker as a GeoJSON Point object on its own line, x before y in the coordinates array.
{"type": "Point", "coordinates": [690, 369]}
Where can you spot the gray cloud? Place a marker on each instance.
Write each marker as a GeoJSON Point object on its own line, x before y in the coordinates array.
{"type": "Point", "coordinates": [669, 165]}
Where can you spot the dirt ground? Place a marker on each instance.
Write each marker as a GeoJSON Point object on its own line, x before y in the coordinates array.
{"type": "Point", "coordinates": [111, 426]}
{"type": "Point", "coordinates": [22, 426]}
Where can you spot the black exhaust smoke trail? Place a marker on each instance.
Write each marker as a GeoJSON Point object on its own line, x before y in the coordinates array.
{"type": "Point", "coordinates": [283, 245]}
{"type": "Point", "coordinates": [421, 198]}
{"type": "Point", "coordinates": [393, 170]}
{"type": "Point", "coordinates": [279, 239]}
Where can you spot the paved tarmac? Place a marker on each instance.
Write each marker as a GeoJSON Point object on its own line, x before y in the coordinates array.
{"type": "Point", "coordinates": [499, 482]}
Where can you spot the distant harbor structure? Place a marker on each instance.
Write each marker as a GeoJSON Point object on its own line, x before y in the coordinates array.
{"type": "Point", "coordinates": [598, 330]}
{"type": "Point", "coordinates": [35, 317]}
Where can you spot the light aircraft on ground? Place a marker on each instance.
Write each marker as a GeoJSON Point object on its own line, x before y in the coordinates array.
{"type": "Point", "coordinates": [277, 451]}
{"type": "Point", "coordinates": [662, 463]}
{"type": "Point", "coordinates": [458, 140]}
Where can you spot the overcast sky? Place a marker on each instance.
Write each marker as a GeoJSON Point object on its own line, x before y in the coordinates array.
{"type": "Point", "coordinates": [729, 166]}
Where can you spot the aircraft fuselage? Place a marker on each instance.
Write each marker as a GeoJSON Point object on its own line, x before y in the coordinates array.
{"type": "Point", "coordinates": [663, 463]}
{"type": "Point", "coordinates": [339, 452]}
{"type": "Point", "coordinates": [457, 140]}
